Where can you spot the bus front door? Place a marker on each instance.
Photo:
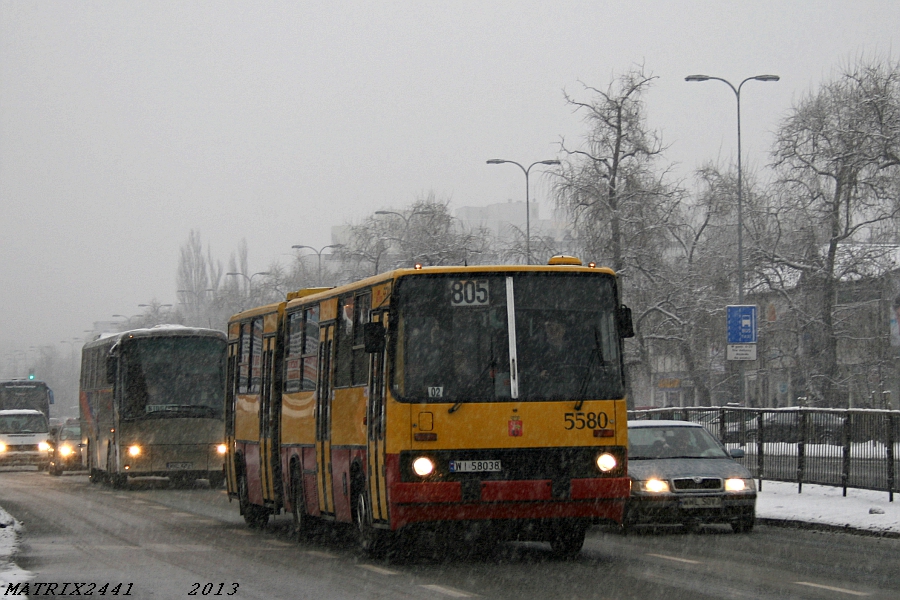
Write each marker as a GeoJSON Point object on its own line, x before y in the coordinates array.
{"type": "Point", "coordinates": [375, 454]}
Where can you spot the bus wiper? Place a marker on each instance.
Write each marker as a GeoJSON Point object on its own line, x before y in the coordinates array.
{"type": "Point", "coordinates": [468, 389]}
{"type": "Point", "coordinates": [598, 353]}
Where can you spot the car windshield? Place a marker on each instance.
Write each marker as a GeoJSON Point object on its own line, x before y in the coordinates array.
{"type": "Point", "coordinates": [70, 432]}
{"type": "Point", "coordinates": [672, 442]}
{"type": "Point", "coordinates": [23, 424]}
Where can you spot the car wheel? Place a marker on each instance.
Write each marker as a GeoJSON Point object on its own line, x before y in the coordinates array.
{"type": "Point", "coordinates": [567, 541]}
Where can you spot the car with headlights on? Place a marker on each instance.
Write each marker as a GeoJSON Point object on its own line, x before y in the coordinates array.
{"type": "Point", "coordinates": [681, 474]}
{"type": "Point", "coordinates": [66, 453]}
{"type": "Point", "coordinates": [24, 437]}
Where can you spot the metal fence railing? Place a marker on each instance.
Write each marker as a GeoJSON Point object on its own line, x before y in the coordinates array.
{"type": "Point", "coordinates": [849, 448]}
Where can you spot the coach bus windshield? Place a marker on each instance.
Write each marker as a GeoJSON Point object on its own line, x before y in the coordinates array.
{"type": "Point", "coordinates": [454, 342]}
{"type": "Point", "coordinates": [20, 394]}
{"type": "Point", "coordinates": [173, 377]}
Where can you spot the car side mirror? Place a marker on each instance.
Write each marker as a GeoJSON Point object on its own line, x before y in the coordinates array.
{"type": "Point", "coordinates": [373, 336]}
{"type": "Point", "coordinates": [625, 322]}
{"type": "Point", "coordinates": [736, 453]}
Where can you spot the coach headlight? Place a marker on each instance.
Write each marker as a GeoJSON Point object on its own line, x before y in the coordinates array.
{"type": "Point", "coordinates": [2, 447]}
{"type": "Point", "coordinates": [606, 462]}
{"type": "Point", "coordinates": [44, 447]}
{"type": "Point", "coordinates": [423, 466]}
{"type": "Point", "coordinates": [221, 448]}
{"type": "Point", "coordinates": [134, 451]}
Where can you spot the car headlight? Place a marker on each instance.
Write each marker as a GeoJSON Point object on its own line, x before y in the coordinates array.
{"type": "Point", "coordinates": [739, 485]}
{"type": "Point", "coordinates": [606, 462]}
{"type": "Point", "coordinates": [656, 486]}
{"type": "Point", "coordinates": [2, 447]}
{"type": "Point", "coordinates": [44, 447]}
{"type": "Point", "coordinates": [134, 451]}
{"type": "Point", "coordinates": [66, 450]}
{"type": "Point", "coordinates": [221, 448]}
{"type": "Point", "coordinates": [423, 466]}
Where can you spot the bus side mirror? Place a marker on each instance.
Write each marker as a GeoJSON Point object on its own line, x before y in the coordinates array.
{"type": "Point", "coordinates": [50, 393]}
{"type": "Point", "coordinates": [373, 336]}
{"type": "Point", "coordinates": [626, 324]}
{"type": "Point", "coordinates": [110, 369]}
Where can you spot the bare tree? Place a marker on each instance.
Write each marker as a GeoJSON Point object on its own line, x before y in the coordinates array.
{"type": "Point", "coordinates": [836, 201]}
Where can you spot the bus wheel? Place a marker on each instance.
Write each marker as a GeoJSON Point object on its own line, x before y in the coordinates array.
{"type": "Point", "coordinates": [567, 541]}
{"type": "Point", "coordinates": [298, 506]}
{"type": "Point", "coordinates": [254, 516]}
{"type": "Point", "coordinates": [370, 539]}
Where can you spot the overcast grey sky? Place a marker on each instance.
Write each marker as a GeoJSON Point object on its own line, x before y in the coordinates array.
{"type": "Point", "coordinates": [124, 125]}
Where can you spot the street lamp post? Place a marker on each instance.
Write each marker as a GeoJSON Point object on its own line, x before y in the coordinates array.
{"type": "Point", "coordinates": [737, 94]}
{"type": "Point", "coordinates": [500, 161]}
{"type": "Point", "coordinates": [740, 223]}
{"type": "Point", "coordinates": [318, 253]}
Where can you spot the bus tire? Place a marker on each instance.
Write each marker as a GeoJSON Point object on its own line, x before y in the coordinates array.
{"type": "Point", "coordinates": [298, 505]}
{"type": "Point", "coordinates": [371, 540]}
{"type": "Point", "coordinates": [567, 540]}
{"type": "Point", "coordinates": [255, 516]}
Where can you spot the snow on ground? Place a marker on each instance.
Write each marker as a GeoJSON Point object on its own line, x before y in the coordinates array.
{"type": "Point", "coordinates": [9, 572]}
{"type": "Point", "coordinates": [825, 505]}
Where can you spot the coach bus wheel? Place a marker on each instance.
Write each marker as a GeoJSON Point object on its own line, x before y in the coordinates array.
{"type": "Point", "coordinates": [254, 516]}
{"type": "Point", "coordinates": [370, 539]}
{"type": "Point", "coordinates": [567, 541]}
{"type": "Point", "coordinates": [298, 506]}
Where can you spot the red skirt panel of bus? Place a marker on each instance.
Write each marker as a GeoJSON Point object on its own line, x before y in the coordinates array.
{"type": "Point", "coordinates": [251, 464]}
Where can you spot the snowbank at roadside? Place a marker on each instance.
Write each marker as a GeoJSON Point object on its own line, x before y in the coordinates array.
{"type": "Point", "coordinates": [9, 531]}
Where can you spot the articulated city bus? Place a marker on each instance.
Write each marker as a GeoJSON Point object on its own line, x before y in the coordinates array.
{"type": "Point", "coordinates": [489, 398]}
{"type": "Point", "coordinates": [151, 404]}
{"type": "Point", "coordinates": [26, 393]}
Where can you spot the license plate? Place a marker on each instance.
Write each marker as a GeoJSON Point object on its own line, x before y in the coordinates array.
{"type": "Point", "coordinates": [474, 466]}
{"type": "Point", "coordinates": [179, 466]}
{"type": "Point", "coordinates": [701, 502]}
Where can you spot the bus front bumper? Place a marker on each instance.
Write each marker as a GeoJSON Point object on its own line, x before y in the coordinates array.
{"type": "Point", "coordinates": [596, 499]}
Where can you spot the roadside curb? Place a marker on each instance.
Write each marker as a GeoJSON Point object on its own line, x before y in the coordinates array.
{"type": "Point", "coordinates": [808, 525]}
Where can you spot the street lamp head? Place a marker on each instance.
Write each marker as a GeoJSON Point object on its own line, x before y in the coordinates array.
{"type": "Point", "coordinates": [767, 78]}
{"type": "Point", "coordinates": [549, 162]}
{"type": "Point", "coordinates": [496, 161]}
{"type": "Point", "coordinates": [697, 78]}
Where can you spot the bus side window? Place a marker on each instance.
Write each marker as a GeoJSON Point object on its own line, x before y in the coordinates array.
{"type": "Point", "coordinates": [360, 357]}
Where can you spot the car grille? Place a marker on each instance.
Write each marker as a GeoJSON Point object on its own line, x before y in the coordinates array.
{"type": "Point", "coordinates": [700, 484]}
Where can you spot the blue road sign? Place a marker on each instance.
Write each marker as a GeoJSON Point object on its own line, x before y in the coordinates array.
{"type": "Point", "coordinates": [741, 324]}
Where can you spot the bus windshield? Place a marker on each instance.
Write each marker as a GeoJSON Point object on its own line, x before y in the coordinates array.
{"type": "Point", "coordinates": [523, 336]}
{"type": "Point", "coordinates": [18, 395]}
{"type": "Point", "coordinates": [173, 377]}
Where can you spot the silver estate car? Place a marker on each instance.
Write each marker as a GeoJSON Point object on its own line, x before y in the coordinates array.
{"type": "Point", "coordinates": [680, 474]}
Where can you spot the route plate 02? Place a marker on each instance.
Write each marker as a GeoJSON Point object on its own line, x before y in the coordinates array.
{"type": "Point", "coordinates": [474, 466]}
{"type": "Point", "coordinates": [179, 466]}
{"type": "Point", "coordinates": [701, 502]}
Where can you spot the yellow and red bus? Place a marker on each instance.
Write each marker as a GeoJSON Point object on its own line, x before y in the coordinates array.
{"type": "Point", "coordinates": [151, 404]}
{"type": "Point", "coordinates": [490, 397]}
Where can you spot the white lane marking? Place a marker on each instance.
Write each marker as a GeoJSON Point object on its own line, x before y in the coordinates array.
{"type": "Point", "coordinates": [181, 514]}
{"type": "Point", "coordinates": [136, 501]}
{"type": "Point", "coordinates": [447, 591]}
{"type": "Point", "coordinates": [320, 554]}
{"type": "Point", "coordinates": [675, 558]}
{"type": "Point", "coordinates": [832, 588]}
{"type": "Point", "coordinates": [378, 570]}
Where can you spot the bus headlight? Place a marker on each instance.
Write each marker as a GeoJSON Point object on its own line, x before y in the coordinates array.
{"type": "Point", "coordinates": [65, 450]}
{"type": "Point", "coordinates": [606, 462]}
{"type": "Point", "coordinates": [134, 451]}
{"type": "Point", "coordinates": [44, 447]}
{"type": "Point", "coordinates": [739, 485]}
{"type": "Point", "coordinates": [221, 448]}
{"type": "Point", "coordinates": [2, 447]}
{"type": "Point", "coordinates": [656, 486]}
{"type": "Point", "coordinates": [423, 466]}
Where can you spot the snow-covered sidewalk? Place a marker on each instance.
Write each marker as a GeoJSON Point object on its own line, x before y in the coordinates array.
{"type": "Point", "coordinates": [864, 510]}
{"type": "Point", "coordinates": [9, 572]}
